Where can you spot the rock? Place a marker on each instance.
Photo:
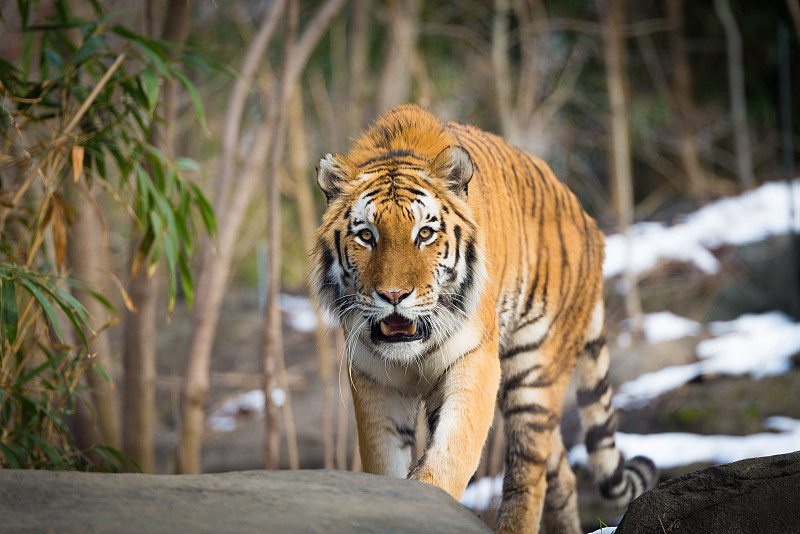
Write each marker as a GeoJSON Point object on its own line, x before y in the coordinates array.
{"type": "Point", "coordinates": [756, 495]}
{"type": "Point", "coordinates": [248, 501]}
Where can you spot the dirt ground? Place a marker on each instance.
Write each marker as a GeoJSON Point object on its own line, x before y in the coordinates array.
{"type": "Point", "coordinates": [721, 405]}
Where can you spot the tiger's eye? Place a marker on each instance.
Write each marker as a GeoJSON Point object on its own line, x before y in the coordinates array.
{"type": "Point", "coordinates": [425, 233]}
{"type": "Point", "coordinates": [365, 235]}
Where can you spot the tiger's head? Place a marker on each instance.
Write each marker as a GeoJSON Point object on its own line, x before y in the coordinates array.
{"type": "Point", "coordinates": [398, 259]}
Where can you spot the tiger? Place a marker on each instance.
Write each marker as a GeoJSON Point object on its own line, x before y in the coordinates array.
{"type": "Point", "coordinates": [466, 276]}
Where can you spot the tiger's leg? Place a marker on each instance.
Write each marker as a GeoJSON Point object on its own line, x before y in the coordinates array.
{"type": "Point", "coordinates": [460, 409]}
{"type": "Point", "coordinates": [531, 399]}
{"type": "Point", "coordinates": [386, 422]}
{"type": "Point", "coordinates": [561, 500]}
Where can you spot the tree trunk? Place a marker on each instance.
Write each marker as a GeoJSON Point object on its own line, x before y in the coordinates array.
{"type": "Point", "coordinates": [395, 83]}
{"type": "Point", "coordinates": [614, 54]}
{"type": "Point", "coordinates": [272, 345]}
{"type": "Point", "coordinates": [88, 256]}
{"type": "Point", "coordinates": [139, 366]}
{"type": "Point", "coordinates": [502, 67]}
{"type": "Point", "coordinates": [308, 221]}
{"type": "Point", "coordinates": [234, 192]}
{"type": "Point", "coordinates": [229, 207]}
{"type": "Point", "coordinates": [140, 349]}
{"type": "Point", "coordinates": [358, 52]}
{"type": "Point", "coordinates": [733, 40]}
{"type": "Point", "coordinates": [697, 181]}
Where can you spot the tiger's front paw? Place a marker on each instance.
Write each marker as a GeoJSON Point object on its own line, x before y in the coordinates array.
{"type": "Point", "coordinates": [441, 478]}
{"type": "Point", "coordinates": [423, 473]}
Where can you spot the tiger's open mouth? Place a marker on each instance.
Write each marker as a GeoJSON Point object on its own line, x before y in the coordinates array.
{"type": "Point", "coordinates": [397, 329]}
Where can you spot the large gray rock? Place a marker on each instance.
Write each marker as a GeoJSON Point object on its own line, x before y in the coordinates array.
{"type": "Point", "coordinates": [231, 503]}
{"type": "Point", "coordinates": [750, 496]}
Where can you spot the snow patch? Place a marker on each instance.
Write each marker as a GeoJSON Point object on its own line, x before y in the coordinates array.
{"type": "Point", "coordinates": [300, 312]}
{"type": "Point", "coordinates": [748, 218]}
{"type": "Point", "coordinates": [666, 326]}
{"type": "Point", "coordinates": [755, 345]}
{"type": "Point", "coordinates": [676, 449]}
{"type": "Point", "coordinates": [249, 404]}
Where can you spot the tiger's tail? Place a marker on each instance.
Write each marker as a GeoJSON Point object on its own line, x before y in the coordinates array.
{"type": "Point", "coordinates": [619, 481]}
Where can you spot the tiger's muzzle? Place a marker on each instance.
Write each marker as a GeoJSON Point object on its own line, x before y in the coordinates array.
{"type": "Point", "coordinates": [397, 329]}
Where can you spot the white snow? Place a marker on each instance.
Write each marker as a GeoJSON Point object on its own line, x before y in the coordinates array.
{"type": "Point", "coordinates": [245, 405]}
{"type": "Point", "coordinates": [666, 326]}
{"type": "Point", "coordinates": [754, 345]}
{"type": "Point", "coordinates": [483, 493]}
{"type": "Point", "coordinates": [224, 418]}
{"type": "Point", "coordinates": [300, 310]}
{"type": "Point", "coordinates": [748, 218]}
{"type": "Point", "coordinates": [675, 449]}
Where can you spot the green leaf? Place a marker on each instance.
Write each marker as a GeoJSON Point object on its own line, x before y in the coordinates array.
{"type": "Point", "coordinates": [206, 211]}
{"type": "Point", "coordinates": [195, 97]}
{"type": "Point", "coordinates": [51, 362]}
{"type": "Point", "coordinates": [122, 460]}
{"type": "Point", "coordinates": [187, 164]}
{"type": "Point", "coordinates": [102, 372]}
{"type": "Point", "coordinates": [87, 50]}
{"type": "Point", "coordinates": [12, 460]}
{"type": "Point", "coordinates": [75, 313]}
{"type": "Point", "coordinates": [154, 59]}
{"type": "Point", "coordinates": [45, 304]}
{"type": "Point", "coordinates": [51, 452]}
{"type": "Point", "coordinates": [150, 84]}
{"type": "Point", "coordinates": [186, 280]}
{"type": "Point", "coordinates": [10, 312]}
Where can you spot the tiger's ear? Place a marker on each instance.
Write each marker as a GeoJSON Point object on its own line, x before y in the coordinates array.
{"type": "Point", "coordinates": [332, 172]}
{"type": "Point", "coordinates": [454, 165]}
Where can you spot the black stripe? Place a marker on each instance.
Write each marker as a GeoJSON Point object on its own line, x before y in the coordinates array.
{"type": "Point", "coordinates": [528, 347]}
{"type": "Point", "coordinates": [614, 481]}
{"type": "Point", "coordinates": [533, 408]}
{"type": "Point", "coordinates": [597, 433]}
{"type": "Point", "coordinates": [594, 347]}
{"type": "Point", "coordinates": [593, 395]}
{"type": "Point", "coordinates": [407, 436]}
{"type": "Point", "coordinates": [337, 240]}
{"type": "Point", "coordinates": [457, 233]}
{"type": "Point", "coordinates": [515, 381]}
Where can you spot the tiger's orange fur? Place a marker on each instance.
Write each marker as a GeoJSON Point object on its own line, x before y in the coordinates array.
{"type": "Point", "coordinates": [450, 258]}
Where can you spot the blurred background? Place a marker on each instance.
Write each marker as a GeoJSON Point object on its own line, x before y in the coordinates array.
{"type": "Point", "coordinates": [158, 202]}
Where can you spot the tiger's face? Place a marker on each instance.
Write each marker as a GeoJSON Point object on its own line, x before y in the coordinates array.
{"type": "Point", "coordinates": [397, 259]}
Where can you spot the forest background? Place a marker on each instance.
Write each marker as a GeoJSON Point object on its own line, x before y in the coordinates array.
{"type": "Point", "coordinates": [159, 158]}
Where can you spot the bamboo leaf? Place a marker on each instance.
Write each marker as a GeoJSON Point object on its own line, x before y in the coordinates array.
{"type": "Point", "coordinates": [45, 304]}
{"type": "Point", "coordinates": [50, 362]}
{"type": "Point", "coordinates": [187, 164]}
{"type": "Point", "coordinates": [206, 211]}
{"type": "Point", "coordinates": [102, 372]}
{"type": "Point", "coordinates": [10, 312]}
{"type": "Point", "coordinates": [150, 84]}
{"type": "Point", "coordinates": [186, 280]}
{"type": "Point", "coordinates": [195, 97]}
{"type": "Point", "coordinates": [121, 458]}
{"type": "Point", "coordinates": [87, 49]}
{"type": "Point", "coordinates": [62, 300]}
{"type": "Point", "coordinates": [154, 59]}
{"type": "Point", "coordinates": [12, 460]}
{"type": "Point", "coordinates": [50, 451]}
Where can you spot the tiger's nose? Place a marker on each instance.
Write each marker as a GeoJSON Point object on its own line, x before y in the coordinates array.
{"type": "Point", "coordinates": [393, 296]}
